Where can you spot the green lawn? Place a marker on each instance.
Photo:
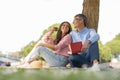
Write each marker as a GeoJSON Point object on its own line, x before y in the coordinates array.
{"type": "Point", "coordinates": [57, 74]}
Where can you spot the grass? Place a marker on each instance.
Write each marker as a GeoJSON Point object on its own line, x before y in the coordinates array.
{"type": "Point", "coordinates": [57, 74]}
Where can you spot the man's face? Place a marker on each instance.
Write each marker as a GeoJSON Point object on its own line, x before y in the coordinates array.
{"type": "Point", "coordinates": [77, 21]}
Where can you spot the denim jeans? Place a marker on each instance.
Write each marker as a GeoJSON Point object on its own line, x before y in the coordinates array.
{"type": "Point", "coordinates": [78, 60]}
{"type": "Point", "coordinates": [53, 59]}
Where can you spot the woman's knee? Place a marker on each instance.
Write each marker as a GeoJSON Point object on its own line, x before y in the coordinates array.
{"type": "Point", "coordinates": [40, 48]}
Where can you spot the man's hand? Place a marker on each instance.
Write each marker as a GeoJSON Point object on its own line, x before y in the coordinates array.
{"type": "Point", "coordinates": [85, 46]}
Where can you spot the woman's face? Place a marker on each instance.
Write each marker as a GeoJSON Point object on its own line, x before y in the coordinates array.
{"type": "Point", "coordinates": [65, 28]}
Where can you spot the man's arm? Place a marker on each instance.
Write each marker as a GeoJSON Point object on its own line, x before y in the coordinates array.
{"type": "Point", "coordinates": [85, 45]}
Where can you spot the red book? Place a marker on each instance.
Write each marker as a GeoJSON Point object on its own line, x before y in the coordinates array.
{"type": "Point", "coordinates": [75, 47]}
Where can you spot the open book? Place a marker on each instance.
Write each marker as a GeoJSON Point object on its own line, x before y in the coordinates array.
{"type": "Point", "coordinates": [75, 47]}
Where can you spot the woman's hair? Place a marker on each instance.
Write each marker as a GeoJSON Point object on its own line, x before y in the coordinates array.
{"type": "Point", "coordinates": [59, 33]}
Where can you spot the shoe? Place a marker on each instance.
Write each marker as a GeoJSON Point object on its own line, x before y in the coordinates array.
{"type": "Point", "coordinates": [25, 65]}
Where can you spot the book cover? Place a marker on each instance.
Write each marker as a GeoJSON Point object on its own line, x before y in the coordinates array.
{"type": "Point", "coordinates": [75, 47]}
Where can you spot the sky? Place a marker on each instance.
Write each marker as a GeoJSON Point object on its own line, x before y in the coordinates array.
{"type": "Point", "coordinates": [23, 21]}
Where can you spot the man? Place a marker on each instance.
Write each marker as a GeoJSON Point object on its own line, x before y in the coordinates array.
{"type": "Point", "coordinates": [89, 54]}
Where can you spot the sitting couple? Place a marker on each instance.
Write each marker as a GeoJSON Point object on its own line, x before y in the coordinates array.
{"type": "Point", "coordinates": [55, 51]}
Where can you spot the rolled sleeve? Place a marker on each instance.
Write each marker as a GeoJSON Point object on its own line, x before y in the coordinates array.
{"type": "Point", "coordinates": [93, 36]}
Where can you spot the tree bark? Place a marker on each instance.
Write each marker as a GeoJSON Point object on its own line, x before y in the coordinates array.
{"type": "Point", "coordinates": [91, 10]}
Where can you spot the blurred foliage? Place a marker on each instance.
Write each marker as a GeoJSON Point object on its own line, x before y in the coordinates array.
{"type": "Point", "coordinates": [107, 51]}
{"type": "Point", "coordinates": [110, 49]}
{"type": "Point", "coordinates": [114, 45]}
{"type": "Point", "coordinates": [117, 37]}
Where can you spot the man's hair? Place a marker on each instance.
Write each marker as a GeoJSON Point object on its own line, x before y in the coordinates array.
{"type": "Point", "coordinates": [82, 16]}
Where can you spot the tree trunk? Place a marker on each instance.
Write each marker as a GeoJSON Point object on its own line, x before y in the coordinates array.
{"type": "Point", "coordinates": [91, 10]}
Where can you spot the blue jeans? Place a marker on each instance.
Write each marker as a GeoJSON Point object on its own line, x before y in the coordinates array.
{"type": "Point", "coordinates": [54, 60]}
{"type": "Point", "coordinates": [86, 58]}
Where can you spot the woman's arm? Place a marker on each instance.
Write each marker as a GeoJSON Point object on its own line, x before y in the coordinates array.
{"type": "Point", "coordinates": [61, 45]}
{"type": "Point", "coordinates": [48, 45]}
{"type": "Point", "coordinates": [65, 41]}
{"type": "Point", "coordinates": [46, 38]}
{"type": "Point", "coordinates": [47, 35]}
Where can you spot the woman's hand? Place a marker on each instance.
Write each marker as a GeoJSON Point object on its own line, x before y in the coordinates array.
{"type": "Point", "coordinates": [40, 44]}
{"type": "Point", "coordinates": [54, 29]}
{"type": "Point", "coordinates": [48, 45]}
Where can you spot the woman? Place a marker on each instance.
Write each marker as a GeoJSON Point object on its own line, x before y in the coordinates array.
{"type": "Point", "coordinates": [54, 51]}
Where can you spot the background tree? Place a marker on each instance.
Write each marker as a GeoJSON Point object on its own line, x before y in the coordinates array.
{"type": "Point", "coordinates": [105, 53]}
{"type": "Point", "coordinates": [91, 10]}
{"type": "Point", "coordinates": [114, 45]}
